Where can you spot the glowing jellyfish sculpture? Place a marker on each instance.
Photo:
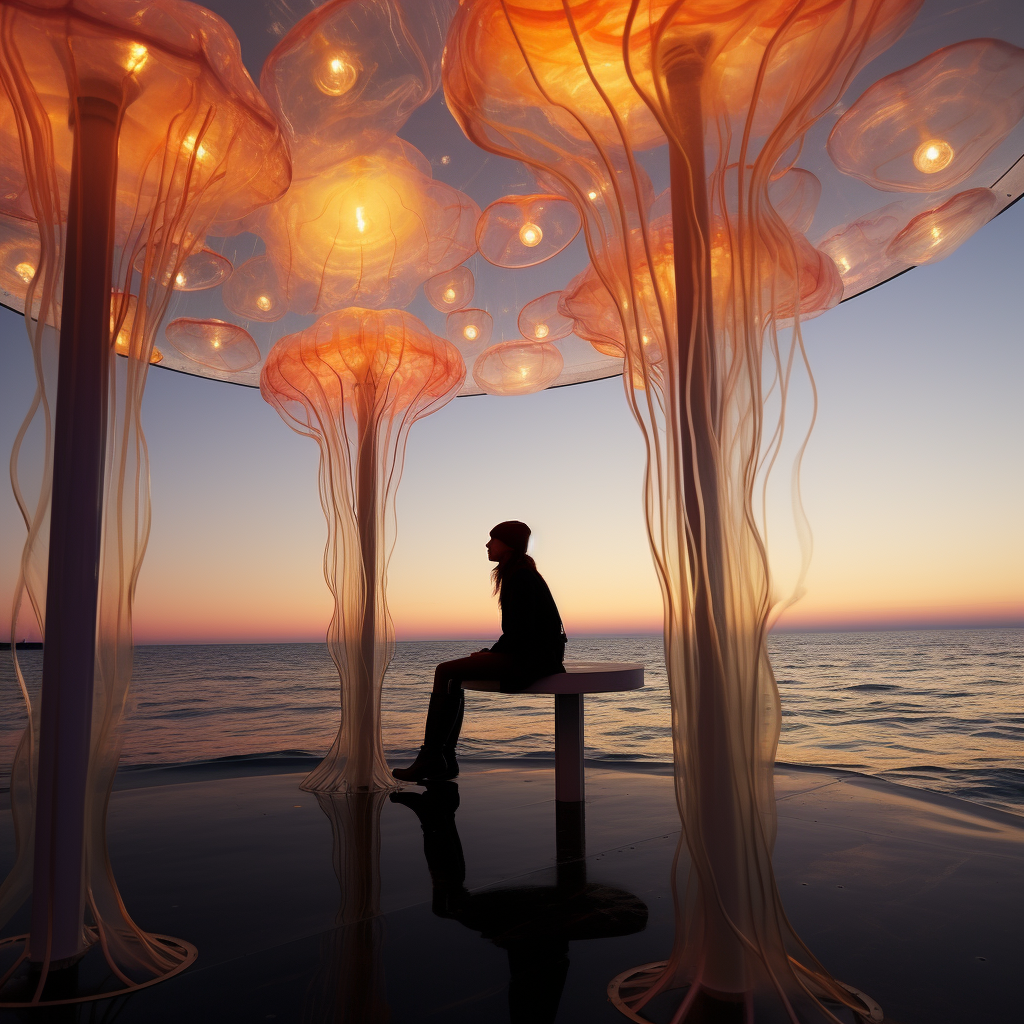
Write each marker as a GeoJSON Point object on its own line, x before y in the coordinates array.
{"type": "Point", "coordinates": [348, 75]}
{"type": "Point", "coordinates": [540, 319]}
{"type": "Point", "coordinates": [355, 382]}
{"type": "Point", "coordinates": [931, 236]}
{"type": "Point", "coordinates": [253, 292]}
{"type": "Point", "coordinates": [215, 344]}
{"type": "Point", "coordinates": [860, 249]}
{"type": "Point", "coordinates": [469, 329]}
{"type": "Point", "coordinates": [364, 222]}
{"type": "Point", "coordinates": [370, 230]}
{"type": "Point", "coordinates": [517, 368]}
{"type": "Point", "coordinates": [927, 127]}
{"type": "Point", "coordinates": [450, 291]}
{"type": "Point", "coordinates": [522, 231]}
{"type": "Point", "coordinates": [137, 125]}
{"type": "Point", "coordinates": [577, 88]}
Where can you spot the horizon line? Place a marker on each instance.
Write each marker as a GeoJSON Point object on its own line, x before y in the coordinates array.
{"type": "Point", "coordinates": [870, 627]}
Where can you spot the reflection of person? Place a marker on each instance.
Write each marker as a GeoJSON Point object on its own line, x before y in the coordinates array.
{"type": "Point", "coordinates": [531, 646]}
{"type": "Point", "coordinates": [534, 924]}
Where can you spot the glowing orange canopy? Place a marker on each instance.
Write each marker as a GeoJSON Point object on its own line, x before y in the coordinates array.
{"type": "Point", "coordinates": [346, 359]}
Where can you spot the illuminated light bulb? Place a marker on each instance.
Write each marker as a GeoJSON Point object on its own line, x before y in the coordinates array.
{"type": "Point", "coordinates": [591, 195]}
{"type": "Point", "coordinates": [843, 264]}
{"type": "Point", "coordinates": [449, 295]}
{"type": "Point", "coordinates": [336, 76]}
{"type": "Point", "coordinates": [541, 331]}
{"type": "Point", "coordinates": [361, 221]}
{"type": "Point", "coordinates": [446, 160]}
{"type": "Point", "coordinates": [137, 55]}
{"type": "Point", "coordinates": [933, 156]}
{"type": "Point", "coordinates": [645, 339]}
{"type": "Point", "coordinates": [471, 332]}
{"type": "Point", "coordinates": [25, 271]}
{"type": "Point", "coordinates": [216, 343]}
{"type": "Point", "coordinates": [530, 235]}
{"type": "Point", "coordinates": [264, 303]}
{"type": "Point", "coordinates": [936, 232]}
{"type": "Point", "coordinates": [179, 279]}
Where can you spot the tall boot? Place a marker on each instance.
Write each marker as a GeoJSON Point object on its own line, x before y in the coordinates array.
{"type": "Point", "coordinates": [453, 736]}
{"type": "Point", "coordinates": [442, 711]}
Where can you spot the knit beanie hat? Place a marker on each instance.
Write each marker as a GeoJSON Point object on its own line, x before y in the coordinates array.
{"type": "Point", "coordinates": [515, 534]}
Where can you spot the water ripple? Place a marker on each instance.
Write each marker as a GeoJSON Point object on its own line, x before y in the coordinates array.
{"type": "Point", "coordinates": [939, 709]}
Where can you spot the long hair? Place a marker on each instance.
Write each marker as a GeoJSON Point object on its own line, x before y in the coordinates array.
{"type": "Point", "coordinates": [514, 562]}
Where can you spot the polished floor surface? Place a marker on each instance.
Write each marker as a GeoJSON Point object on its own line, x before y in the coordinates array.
{"type": "Point", "coordinates": [913, 898]}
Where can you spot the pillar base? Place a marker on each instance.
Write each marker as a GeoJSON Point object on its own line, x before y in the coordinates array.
{"type": "Point", "coordinates": [627, 992]}
{"type": "Point", "coordinates": [25, 985]}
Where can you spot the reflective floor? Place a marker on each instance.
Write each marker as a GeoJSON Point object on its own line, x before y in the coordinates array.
{"type": "Point", "coordinates": [472, 901]}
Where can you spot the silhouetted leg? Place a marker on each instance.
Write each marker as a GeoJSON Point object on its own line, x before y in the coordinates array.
{"type": "Point", "coordinates": [441, 731]}
{"type": "Point", "coordinates": [442, 846]}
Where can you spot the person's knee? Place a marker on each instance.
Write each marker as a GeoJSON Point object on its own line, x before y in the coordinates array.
{"type": "Point", "coordinates": [442, 677]}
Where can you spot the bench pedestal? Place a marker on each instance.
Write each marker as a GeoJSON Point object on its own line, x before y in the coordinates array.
{"type": "Point", "coordinates": [569, 778]}
{"type": "Point", "coordinates": [568, 687]}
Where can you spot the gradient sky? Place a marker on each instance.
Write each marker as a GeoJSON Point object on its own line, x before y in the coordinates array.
{"type": "Point", "coordinates": [912, 483]}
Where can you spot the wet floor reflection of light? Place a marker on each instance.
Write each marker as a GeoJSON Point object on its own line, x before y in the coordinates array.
{"type": "Point", "coordinates": [350, 988]}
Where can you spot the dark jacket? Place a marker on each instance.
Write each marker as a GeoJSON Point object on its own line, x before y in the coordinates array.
{"type": "Point", "coordinates": [531, 628]}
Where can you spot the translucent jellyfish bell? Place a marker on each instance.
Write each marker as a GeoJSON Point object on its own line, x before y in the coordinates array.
{"type": "Point", "coordinates": [795, 197]}
{"type": "Point", "coordinates": [367, 231]}
{"type": "Point", "coordinates": [450, 290]}
{"type": "Point", "coordinates": [202, 270]}
{"type": "Point", "coordinates": [214, 343]}
{"type": "Point", "coordinates": [19, 256]}
{"type": "Point", "coordinates": [927, 127]}
{"type": "Point", "coordinates": [859, 249]}
{"type": "Point", "coordinates": [931, 236]}
{"type": "Point", "coordinates": [469, 329]}
{"type": "Point", "coordinates": [349, 74]}
{"type": "Point", "coordinates": [517, 368]}
{"type": "Point", "coordinates": [253, 292]}
{"type": "Point", "coordinates": [197, 272]}
{"type": "Point", "coordinates": [540, 319]}
{"type": "Point", "coordinates": [592, 310]}
{"type": "Point", "coordinates": [522, 231]}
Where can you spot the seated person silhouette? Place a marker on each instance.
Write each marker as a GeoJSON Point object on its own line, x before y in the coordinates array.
{"type": "Point", "coordinates": [534, 924]}
{"type": "Point", "coordinates": [531, 646]}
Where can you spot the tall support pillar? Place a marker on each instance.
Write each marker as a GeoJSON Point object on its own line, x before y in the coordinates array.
{"type": "Point", "coordinates": [76, 516]}
{"type": "Point", "coordinates": [717, 811]}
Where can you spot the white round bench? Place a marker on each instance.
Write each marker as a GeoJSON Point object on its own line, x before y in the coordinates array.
{"type": "Point", "coordinates": [568, 687]}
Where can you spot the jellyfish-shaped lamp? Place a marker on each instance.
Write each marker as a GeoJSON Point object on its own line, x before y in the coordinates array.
{"type": "Point", "coordinates": [166, 131]}
{"type": "Point", "coordinates": [355, 382]}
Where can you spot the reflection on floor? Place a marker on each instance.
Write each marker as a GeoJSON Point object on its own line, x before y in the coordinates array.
{"type": "Point", "coordinates": [473, 903]}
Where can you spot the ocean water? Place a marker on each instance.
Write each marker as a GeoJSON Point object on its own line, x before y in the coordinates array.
{"type": "Point", "coordinates": [937, 709]}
